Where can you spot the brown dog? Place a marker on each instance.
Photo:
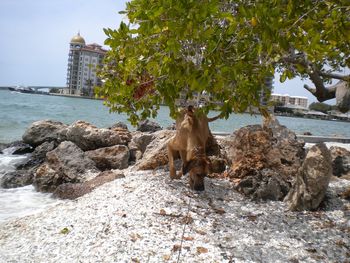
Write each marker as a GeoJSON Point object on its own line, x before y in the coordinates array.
{"type": "Point", "coordinates": [192, 133]}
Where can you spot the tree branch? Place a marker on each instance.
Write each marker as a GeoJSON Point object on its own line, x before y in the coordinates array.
{"type": "Point", "coordinates": [334, 76]}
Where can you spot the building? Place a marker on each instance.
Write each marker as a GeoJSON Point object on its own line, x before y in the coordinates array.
{"type": "Point", "coordinates": [83, 61]}
{"type": "Point", "coordinates": [290, 101]}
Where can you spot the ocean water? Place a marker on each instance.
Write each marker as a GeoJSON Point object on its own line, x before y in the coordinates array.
{"type": "Point", "coordinates": [19, 201]}
{"type": "Point", "coordinates": [18, 111]}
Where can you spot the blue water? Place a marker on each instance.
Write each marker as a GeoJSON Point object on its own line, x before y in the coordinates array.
{"type": "Point", "coordinates": [18, 111]}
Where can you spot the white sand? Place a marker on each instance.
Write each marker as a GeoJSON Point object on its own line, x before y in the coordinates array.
{"type": "Point", "coordinates": [141, 218]}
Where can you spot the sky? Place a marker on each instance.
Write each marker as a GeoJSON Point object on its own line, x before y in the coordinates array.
{"type": "Point", "coordinates": [35, 38]}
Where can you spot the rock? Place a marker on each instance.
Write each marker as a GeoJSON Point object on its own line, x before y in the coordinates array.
{"type": "Point", "coordinates": [38, 156]}
{"type": "Point", "coordinates": [119, 125]}
{"type": "Point", "coordinates": [138, 144]}
{"type": "Point", "coordinates": [16, 178]}
{"type": "Point", "coordinates": [65, 164]}
{"type": "Point", "coordinates": [45, 130]}
{"type": "Point", "coordinates": [345, 194]}
{"type": "Point", "coordinates": [340, 161]}
{"type": "Point", "coordinates": [265, 160]}
{"type": "Point", "coordinates": [114, 157]}
{"type": "Point", "coordinates": [148, 126]}
{"type": "Point", "coordinates": [73, 191]}
{"type": "Point", "coordinates": [172, 127]}
{"type": "Point", "coordinates": [311, 183]}
{"type": "Point", "coordinates": [217, 164]}
{"type": "Point", "coordinates": [3, 146]}
{"type": "Point", "coordinates": [20, 147]}
{"type": "Point", "coordinates": [156, 153]}
{"type": "Point", "coordinates": [89, 137]}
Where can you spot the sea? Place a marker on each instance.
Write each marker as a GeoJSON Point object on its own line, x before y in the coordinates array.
{"type": "Point", "coordinates": [19, 110]}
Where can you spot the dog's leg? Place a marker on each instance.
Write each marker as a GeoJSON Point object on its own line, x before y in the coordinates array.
{"type": "Point", "coordinates": [171, 154]}
{"type": "Point", "coordinates": [183, 155]}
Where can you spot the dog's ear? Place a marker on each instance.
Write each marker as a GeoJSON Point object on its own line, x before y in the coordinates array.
{"type": "Point", "coordinates": [188, 166]}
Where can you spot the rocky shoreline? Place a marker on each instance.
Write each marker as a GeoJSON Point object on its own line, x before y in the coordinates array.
{"type": "Point", "coordinates": [125, 208]}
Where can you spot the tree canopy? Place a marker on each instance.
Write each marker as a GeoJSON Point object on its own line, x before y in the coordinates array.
{"type": "Point", "coordinates": [225, 48]}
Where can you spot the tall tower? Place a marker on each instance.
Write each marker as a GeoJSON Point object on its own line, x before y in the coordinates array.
{"type": "Point", "coordinates": [73, 72]}
{"type": "Point", "coordinates": [83, 62]}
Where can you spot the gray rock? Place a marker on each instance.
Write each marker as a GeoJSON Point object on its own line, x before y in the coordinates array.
{"type": "Point", "coordinates": [340, 161]}
{"type": "Point", "coordinates": [73, 191]}
{"type": "Point", "coordinates": [138, 144]}
{"type": "Point", "coordinates": [114, 157]}
{"type": "Point", "coordinates": [17, 178]}
{"type": "Point", "coordinates": [156, 153]}
{"type": "Point", "coordinates": [264, 159]}
{"type": "Point", "coordinates": [311, 183]}
{"type": "Point", "coordinates": [89, 137]}
{"type": "Point", "coordinates": [65, 164]}
{"type": "Point", "coordinates": [119, 125]}
{"type": "Point", "coordinates": [20, 147]}
{"type": "Point", "coordinates": [45, 130]}
{"type": "Point", "coordinates": [38, 156]}
{"type": "Point", "coordinates": [148, 126]}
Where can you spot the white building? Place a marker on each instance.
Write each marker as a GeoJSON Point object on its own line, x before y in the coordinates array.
{"type": "Point", "coordinates": [83, 61]}
{"type": "Point", "coordinates": [290, 101]}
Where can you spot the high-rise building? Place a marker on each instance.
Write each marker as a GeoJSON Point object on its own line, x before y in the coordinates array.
{"type": "Point", "coordinates": [83, 61]}
{"type": "Point", "coordinates": [290, 101]}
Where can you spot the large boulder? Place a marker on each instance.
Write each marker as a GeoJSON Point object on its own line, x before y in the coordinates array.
{"type": "Point", "coordinates": [24, 173]}
{"type": "Point", "coordinates": [138, 144]}
{"type": "Point", "coordinates": [19, 147]}
{"type": "Point", "coordinates": [89, 137]}
{"type": "Point", "coordinates": [148, 126]}
{"type": "Point", "coordinates": [340, 161]}
{"type": "Point", "coordinates": [119, 125]}
{"type": "Point", "coordinates": [311, 183]}
{"type": "Point", "coordinates": [65, 164]}
{"type": "Point", "coordinates": [265, 160]}
{"type": "Point", "coordinates": [45, 130]}
{"type": "Point", "coordinates": [156, 153]}
{"type": "Point", "coordinates": [38, 155]}
{"type": "Point", "coordinates": [107, 158]}
{"type": "Point", "coordinates": [73, 191]}
{"type": "Point", "coordinates": [17, 178]}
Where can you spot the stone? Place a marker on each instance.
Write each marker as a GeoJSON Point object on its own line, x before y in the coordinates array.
{"type": "Point", "coordinates": [16, 178]}
{"type": "Point", "coordinates": [44, 130]}
{"type": "Point", "coordinates": [20, 147]}
{"type": "Point", "coordinates": [138, 144]}
{"type": "Point", "coordinates": [38, 156]}
{"type": "Point", "coordinates": [311, 183]}
{"type": "Point", "coordinates": [264, 159]}
{"type": "Point", "coordinates": [340, 161]}
{"type": "Point", "coordinates": [65, 164]}
{"type": "Point", "coordinates": [148, 126]}
{"type": "Point", "coordinates": [156, 153]}
{"type": "Point", "coordinates": [72, 191]}
{"type": "Point", "coordinates": [107, 158]}
{"type": "Point", "coordinates": [217, 164]}
{"type": "Point", "coordinates": [89, 137]}
{"type": "Point", "coordinates": [119, 125]}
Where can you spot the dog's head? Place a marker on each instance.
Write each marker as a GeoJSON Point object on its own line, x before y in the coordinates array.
{"type": "Point", "coordinates": [198, 169]}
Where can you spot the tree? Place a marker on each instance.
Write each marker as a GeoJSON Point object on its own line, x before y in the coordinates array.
{"type": "Point", "coordinates": [225, 48]}
{"type": "Point", "coordinates": [323, 107]}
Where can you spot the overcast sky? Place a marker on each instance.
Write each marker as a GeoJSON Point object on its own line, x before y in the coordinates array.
{"type": "Point", "coordinates": [35, 38]}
